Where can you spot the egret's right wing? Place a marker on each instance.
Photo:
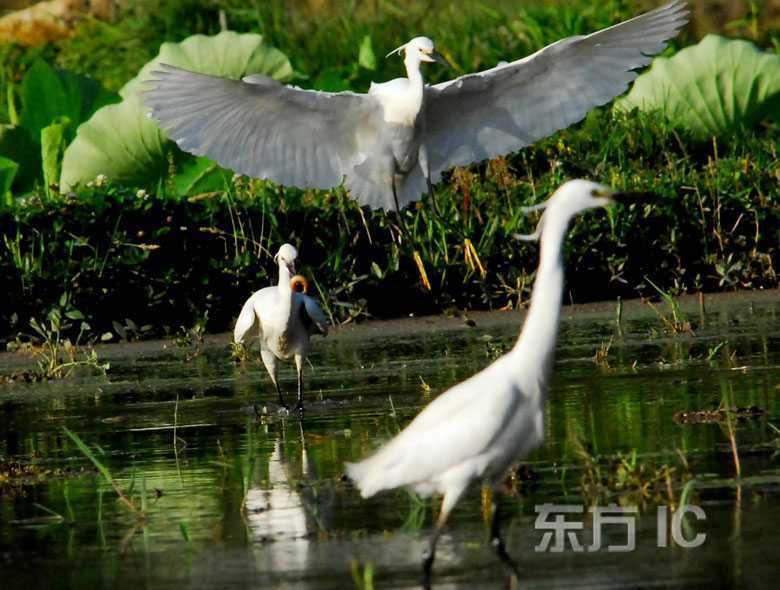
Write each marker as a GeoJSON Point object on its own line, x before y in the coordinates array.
{"type": "Point", "coordinates": [245, 322]}
{"type": "Point", "coordinates": [261, 128]}
{"type": "Point", "coordinates": [498, 111]}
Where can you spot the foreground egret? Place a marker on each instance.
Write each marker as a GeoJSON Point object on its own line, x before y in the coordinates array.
{"type": "Point", "coordinates": [390, 144]}
{"type": "Point", "coordinates": [479, 427]}
{"type": "Point", "coordinates": [285, 319]}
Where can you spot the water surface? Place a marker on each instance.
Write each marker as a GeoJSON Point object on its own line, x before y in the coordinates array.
{"type": "Point", "coordinates": [242, 501]}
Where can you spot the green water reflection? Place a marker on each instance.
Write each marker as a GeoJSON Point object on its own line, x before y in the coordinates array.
{"type": "Point", "coordinates": [237, 501]}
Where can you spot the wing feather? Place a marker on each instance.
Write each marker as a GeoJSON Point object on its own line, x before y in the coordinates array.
{"type": "Point", "coordinates": [491, 113]}
{"type": "Point", "coordinates": [261, 128]}
{"type": "Point", "coordinates": [245, 322]}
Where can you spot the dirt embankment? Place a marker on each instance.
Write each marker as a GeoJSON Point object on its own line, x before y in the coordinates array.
{"type": "Point", "coordinates": [36, 23]}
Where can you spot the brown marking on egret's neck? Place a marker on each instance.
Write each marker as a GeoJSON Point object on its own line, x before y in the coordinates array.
{"type": "Point", "coordinates": [299, 284]}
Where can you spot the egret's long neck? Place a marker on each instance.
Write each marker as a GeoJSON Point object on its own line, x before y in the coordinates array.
{"type": "Point", "coordinates": [285, 299]}
{"type": "Point", "coordinates": [284, 277]}
{"type": "Point", "coordinates": [412, 63]}
{"type": "Point", "coordinates": [535, 349]}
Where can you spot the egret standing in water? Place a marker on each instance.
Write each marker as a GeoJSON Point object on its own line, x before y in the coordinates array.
{"type": "Point", "coordinates": [391, 144]}
{"type": "Point", "coordinates": [477, 429]}
{"type": "Point", "coordinates": [285, 317]}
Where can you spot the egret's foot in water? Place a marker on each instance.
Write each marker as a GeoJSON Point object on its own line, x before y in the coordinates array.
{"type": "Point", "coordinates": [498, 543]}
{"type": "Point", "coordinates": [506, 559]}
{"type": "Point", "coordinates": [427, 562]}
{"type": "Point", "coordinates": [298, 409]}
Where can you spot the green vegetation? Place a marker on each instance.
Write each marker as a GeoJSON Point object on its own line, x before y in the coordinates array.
{"type": "Point", "coordinates": [179, 240]}
{"type": "Point", "coordinates": [57, 357]}
{"type": "Point", "coordinates": [104, 471]}
{"type": "Point", "coordinates": [717, 86]}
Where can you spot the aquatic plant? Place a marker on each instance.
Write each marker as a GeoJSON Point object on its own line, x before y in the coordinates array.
{"type": "Point", "coordinates": [106, 473]}
{"type": "Point", "coordinates": [8, 170]}
{"type": "Point", "coordinates": [362, 574]}
{"type": "Point", "coordinates": [711, 88]}
{"type": "Point", "coordinates": [189, 341]}
{"type": "Point", "coordinates": [53, 104]}
{"type": "Point", "coordinates": [675, 322]}
{"type": "Point", "coordinates": [627, 477]}
{"type": "Point", "coordinates": [57, 357]}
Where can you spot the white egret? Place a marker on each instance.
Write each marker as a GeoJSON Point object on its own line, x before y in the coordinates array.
{"type": "Point", "coordinates": [390, 144]}
{"type": "Point", "coordinates": [475, 430]}
{"type": "Point", "coordinates": [285, 318]}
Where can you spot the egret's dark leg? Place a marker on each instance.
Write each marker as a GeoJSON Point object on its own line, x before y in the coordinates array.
{"type": "Point", "coordinates": [425, 166]}
{"type": "Point", "coordinates": [495, 538]}
{"type": "Point", "coordinates": [429, 554]}
{"type": "Point", "coordinates": [451, 498]}
{"type": "Point", "coordinates": [299, 405]}
{"type": "Point", "coordinates": [271, 365]}
{"type": "Point", "coordinates": [279, 393]}
{"type": "Point", "coordinates": [401, 223]}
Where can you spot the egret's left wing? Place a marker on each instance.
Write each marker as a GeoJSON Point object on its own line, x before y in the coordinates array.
{"type": "Point", "coordinates": [311, 314]}
{"type": "Point", "coordinates": [491, 113]}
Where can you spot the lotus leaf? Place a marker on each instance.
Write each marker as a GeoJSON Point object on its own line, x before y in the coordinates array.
{"type": "Point", "coordinates": [200, 175]}
{"type": "Point", "coordinates": [121, 142]}
{"type": "Point", "coordinates": [710, 88]}
{"type": "Point", "coordinates": [17, 145]}
{"type": "Point", "coordinates": [47, 93]}
{"type": "Point", "coordinates": [8, 170]}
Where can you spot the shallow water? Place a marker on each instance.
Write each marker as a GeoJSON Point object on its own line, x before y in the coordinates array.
{"type": "Point", "coordinates": [245, 502]}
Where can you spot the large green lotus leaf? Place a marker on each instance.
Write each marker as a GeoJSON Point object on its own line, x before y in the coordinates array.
{"type": "Point", "coordinates": [710, 88]}
{"type": "Point", "coordinates": [122, 143]}
{"type": "Point", "coordinates": [228, 54]}
{"type": "Point", "coordinates": [48, 93]}
{"type": "Point", "coordinates": [200, 175]}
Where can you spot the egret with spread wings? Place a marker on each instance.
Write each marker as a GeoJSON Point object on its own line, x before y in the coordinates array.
{"type": "Point", "coordinates": [388, 146]}
{"type": "Point", "coordinates": [284, 318]}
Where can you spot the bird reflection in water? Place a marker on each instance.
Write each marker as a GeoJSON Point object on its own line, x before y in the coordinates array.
{"type": "Point", "coordinates": [287, 512]}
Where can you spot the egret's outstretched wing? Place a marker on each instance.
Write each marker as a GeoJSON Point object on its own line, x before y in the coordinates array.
{"type": "Point", "coordinates": [261, 128]}
{"type": "Point", "coordinates": [491, 113]}
{"type": "Point", "coordinates": [245, 322]}
{"type": "Point", "coordinates": [312, 315]}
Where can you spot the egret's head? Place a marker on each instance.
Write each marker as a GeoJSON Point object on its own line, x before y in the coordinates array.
{"type": "Point", "coordinates": [286, 256]}
{"type": "Point", "coordinates": [422, 49]}
{"type": "Point", "coordinates": [579, 195]}
{"type": "Point", "coordinates": [571, 198]}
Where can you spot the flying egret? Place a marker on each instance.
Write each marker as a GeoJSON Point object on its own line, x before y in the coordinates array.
{"type": "Point", "coordinates": [390, 144]}
{"type": "Point", "coordinates": [285, 317]}
{"type": "Point", "coordinates": [476, 429]}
